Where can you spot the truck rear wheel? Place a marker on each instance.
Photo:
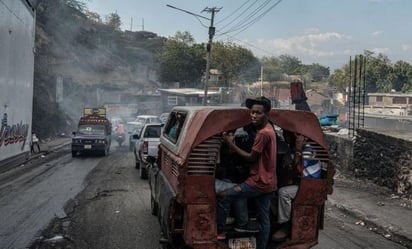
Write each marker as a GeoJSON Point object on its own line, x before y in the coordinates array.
{"type": "Point", "coordinates": [143, 172]}
{"type": "Point", "coordinates": [74, 153]}
{"type": "Point", "coordinates": [153, 206]}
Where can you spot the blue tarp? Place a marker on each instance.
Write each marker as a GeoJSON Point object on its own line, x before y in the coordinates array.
{"type": "Point", "coordinates": [329, 119]}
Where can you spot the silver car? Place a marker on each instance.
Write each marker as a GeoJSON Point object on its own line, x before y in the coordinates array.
{"type": "Point", "coordinates": [147, 145]}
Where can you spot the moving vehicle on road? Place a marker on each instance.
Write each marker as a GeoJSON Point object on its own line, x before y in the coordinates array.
{"type": "Point", "coordinates": [93, 133]}
{"type": "Point", "coordinates": [146, 145]}
{"type": "Point", "coordinates": [120, 138]}
{"type": "Point", "coordinates": [182, 179]}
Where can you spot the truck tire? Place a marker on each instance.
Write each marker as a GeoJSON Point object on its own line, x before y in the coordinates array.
{"type": "Point", "coordinates": [143, 172]}
{"type": "Point", "coordinates": [74, 153]}
{"type": "Point", "coordinates": [153, 206]}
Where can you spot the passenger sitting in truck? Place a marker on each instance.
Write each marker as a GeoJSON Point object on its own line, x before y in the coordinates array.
{"type": "Point", "coordinates": [311, 169]}
{"type": "Point", "coordinates": [174, 130]}
{"type": "Point", "coordinates": [233, 167]}
{"type": "Point", "coordinates": [261, 182]}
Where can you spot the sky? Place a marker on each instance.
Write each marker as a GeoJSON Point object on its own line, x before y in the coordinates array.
{"type": "Point", "coordinates": [327, 32]}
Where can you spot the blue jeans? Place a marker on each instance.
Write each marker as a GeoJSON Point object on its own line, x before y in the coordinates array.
{"type": "Point", "coordinates": [262, 203]}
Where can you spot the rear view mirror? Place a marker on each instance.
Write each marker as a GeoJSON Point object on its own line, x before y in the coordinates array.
{"type": "Point", "coordinates": [135, 136]}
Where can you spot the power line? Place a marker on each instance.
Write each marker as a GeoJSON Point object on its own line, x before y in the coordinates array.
{"type": "Point", "coordinates": [240, 14]}
{"type": "Point", "coordinates": [247, 18]}
{"type": "Point", "coordinates": [250, 45]}
{"type": "Point", "coordinates": [245, 26]}
{"type": "Point", "coordinates": [259, 17]}
{"type": "Point", "coordinates": [231, 14]}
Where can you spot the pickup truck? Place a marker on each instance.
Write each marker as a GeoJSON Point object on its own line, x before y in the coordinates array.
{"type": "Point", "coordinates": [146, 145]}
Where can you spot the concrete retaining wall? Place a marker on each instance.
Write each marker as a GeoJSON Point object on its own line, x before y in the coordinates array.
{"type": "Point", "coordinates": [382, 159]}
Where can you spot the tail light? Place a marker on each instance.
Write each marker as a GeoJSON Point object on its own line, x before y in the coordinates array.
{"type": "Point", "coordinates": [145, 147]}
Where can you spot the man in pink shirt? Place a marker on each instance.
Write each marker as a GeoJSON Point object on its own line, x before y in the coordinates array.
{"type": "Point", "coordinates": [261, 183]}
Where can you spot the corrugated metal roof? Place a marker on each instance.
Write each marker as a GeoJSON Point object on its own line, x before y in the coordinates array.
{"type": "Point", "coordinates": [188, 91]}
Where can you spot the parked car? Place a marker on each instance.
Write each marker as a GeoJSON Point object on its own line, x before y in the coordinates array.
{"type": "Point", "coordinates": [133, 137]}
{"type": "Point", "coordinates": [146, 145]}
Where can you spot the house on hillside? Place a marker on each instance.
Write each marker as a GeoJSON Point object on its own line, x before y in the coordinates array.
{"type": "Point", "coordinates": [319, 102]}
{"type": "Point", "coordinates": [394, 104]}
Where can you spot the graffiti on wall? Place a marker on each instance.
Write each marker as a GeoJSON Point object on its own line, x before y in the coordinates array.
{"type": "Point", "coordinates": [13, 133]}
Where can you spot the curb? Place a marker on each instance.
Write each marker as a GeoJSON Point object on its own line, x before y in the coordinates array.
{"type": "Point", "coordinates": [380, 229]}
{"type": "Point", "coordinates": [49, 150]}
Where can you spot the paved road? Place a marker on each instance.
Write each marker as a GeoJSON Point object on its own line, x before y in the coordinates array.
{"type": "Point", "coordinates": [112, 209]}
{"type": "Point", "coordinates": [29, 201]}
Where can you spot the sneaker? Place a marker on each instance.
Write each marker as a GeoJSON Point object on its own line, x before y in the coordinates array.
{"type": "Point", "coordinates": [248, 228]}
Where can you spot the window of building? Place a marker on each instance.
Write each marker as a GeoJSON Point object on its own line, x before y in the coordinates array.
{"type": "Point", "coordinates": [172, 100]}
{"type": "Point", "coordinates": [399, 100]}
{"type": "Point", "coordinates": [193, 100]}
{"type": "Point", "coordinates": [379, 98]}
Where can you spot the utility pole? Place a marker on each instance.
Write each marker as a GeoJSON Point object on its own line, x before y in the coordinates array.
{"type": "Point", "coordinates": [209, 44]}
{"type": "Point", "coordinates": [261, 81]}
{"type": "Point", "coordinates": [209, 49]}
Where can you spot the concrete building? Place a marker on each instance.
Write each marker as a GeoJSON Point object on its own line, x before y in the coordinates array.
{"type": "Point", "coordinates": [393, 104]}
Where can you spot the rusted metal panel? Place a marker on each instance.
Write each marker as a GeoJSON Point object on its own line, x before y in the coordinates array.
{"type": "Point", "coordinates": [307, 210]}
{"type": "Point", "coordinates": [200, 224]}
{"type": "Point", "coordinates": [207, 122]}
{"type": "Point", "coordinates": [305, 123]}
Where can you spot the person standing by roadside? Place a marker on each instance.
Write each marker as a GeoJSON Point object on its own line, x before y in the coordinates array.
{"type": "Point", "coordinates": [34, 142]}
{"type": "Point", "coordinates": [262, 180]}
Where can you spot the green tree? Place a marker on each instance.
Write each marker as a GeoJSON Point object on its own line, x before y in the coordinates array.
{"type": "Point", "coordinates": [113, 20]}
{"type": "Point", "coordinates": [403, 74]}
{"type": "Point", "coordinates": [95, 17]}
{"type": "Point", "coordinates": [180, 62]}
{"type": "Point", "coordinates": [184, 37]}
{"type": "Point", "coordinates": [317, 71]}
{"type": "Point", "coordinates": [379, 74]}
{"type": "Point", "coordinates": [290, 64]}
{"type": "Point", "coordinates": [340, 79]}
{"type": "Point", "coordinates": [234, 62]}
{"type": "Point", "coordinates": [272, 68]}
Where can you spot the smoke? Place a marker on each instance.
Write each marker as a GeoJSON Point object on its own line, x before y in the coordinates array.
{"type": "Point", "coordinates": [95, 63]}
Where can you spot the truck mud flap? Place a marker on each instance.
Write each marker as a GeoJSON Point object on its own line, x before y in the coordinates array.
{"type": "Point", "coordinates": [165, 197]}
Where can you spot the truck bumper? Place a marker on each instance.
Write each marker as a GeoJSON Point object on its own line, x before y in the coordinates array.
{"type": "Point", "coordinates": [88, 148]}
